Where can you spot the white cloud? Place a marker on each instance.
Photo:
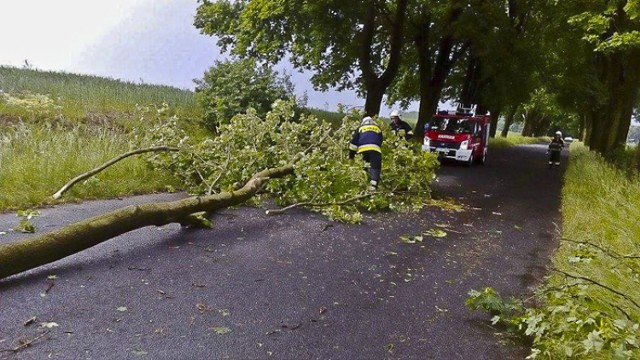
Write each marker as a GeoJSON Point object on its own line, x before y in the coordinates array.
{"type": "Point", "coordinates": [149, 40]}
{"type": "Point", "coordinates": [50, 34]}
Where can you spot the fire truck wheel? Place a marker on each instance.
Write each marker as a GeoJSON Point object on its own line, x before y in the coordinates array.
{"type": "Point", "coordinates": [482, 160]}
{"type": "Point", "coordinates": [470, 161]}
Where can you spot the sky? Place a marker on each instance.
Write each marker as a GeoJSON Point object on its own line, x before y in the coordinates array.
{"type": "Point", "coordinates": [150, 41]}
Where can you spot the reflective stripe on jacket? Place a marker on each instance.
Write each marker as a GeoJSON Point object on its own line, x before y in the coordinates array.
{"type": "Point", "coordinates": [367, 138]}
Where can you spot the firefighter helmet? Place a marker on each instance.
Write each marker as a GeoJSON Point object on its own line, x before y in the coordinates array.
{"type": "Point", "coordinates": [367, 120]}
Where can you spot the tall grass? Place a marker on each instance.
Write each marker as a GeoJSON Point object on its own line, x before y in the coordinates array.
{"type": "Point", "coordinates": [593, 297]}
{"type": "Point", "coordinates": [83, 96]}
{"type": "Point", "coordinates": [513, 139]}
{"type": "Point", "coordinates": [36, 160]}
{"type": "Point", "coordinates": [601, 205]}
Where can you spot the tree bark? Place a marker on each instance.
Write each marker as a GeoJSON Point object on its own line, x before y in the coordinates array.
{"type": "Point", "coordinates": [42, 249]}
{"type": "Point", "coordinates": [508, 121]}
{"type": "Point", "coordinates": [495, 116]}
{"type": "Point", "coordinates": [375, 85]}
{"type": "Point", "coordinates": [433, 76]}
{"type": "Point", "coordinates": [621, 74]}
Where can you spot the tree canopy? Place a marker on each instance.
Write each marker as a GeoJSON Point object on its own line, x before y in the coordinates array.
{"type": "Point", "coordinates": [496, 54]}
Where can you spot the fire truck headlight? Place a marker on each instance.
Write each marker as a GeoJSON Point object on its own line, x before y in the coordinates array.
{"type": "Point", "coordinates": [464, 145]}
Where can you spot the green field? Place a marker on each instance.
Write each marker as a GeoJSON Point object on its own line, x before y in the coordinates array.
{"type": "Point", "coordinates": [82, 97]}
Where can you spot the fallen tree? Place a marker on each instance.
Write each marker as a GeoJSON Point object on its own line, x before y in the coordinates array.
{"type": "Point", "coordinates": [324, 180]}
{"type": "Point", "coordinates": [42, 249]}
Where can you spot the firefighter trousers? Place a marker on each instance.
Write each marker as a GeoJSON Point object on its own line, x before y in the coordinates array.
{"type": "Point", "coordinates": [374, 160]}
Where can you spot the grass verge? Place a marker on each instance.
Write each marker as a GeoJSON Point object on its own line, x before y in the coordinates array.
{"type": "Point", "coordinates": [516, 139]}
{"type": "Point", "coordinates": [36, 160]}
{"type": "Point", "coordinates": [589, 306]}
{"type": "Point", "coordinates": [593, 296]}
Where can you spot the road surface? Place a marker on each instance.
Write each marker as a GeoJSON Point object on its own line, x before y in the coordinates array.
{"type": "Point", "coordinates": [295, 286]}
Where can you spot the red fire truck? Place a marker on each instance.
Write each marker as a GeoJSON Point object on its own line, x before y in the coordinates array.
{"type": "Point", "coordinates": [458, 135]}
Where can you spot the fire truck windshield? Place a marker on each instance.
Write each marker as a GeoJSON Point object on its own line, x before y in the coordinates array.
{"type": "Point", "coordinates": [451, 125]}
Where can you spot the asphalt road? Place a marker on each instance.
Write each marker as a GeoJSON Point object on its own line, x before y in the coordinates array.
{"type": "Point", "coordinates": [295, 286]}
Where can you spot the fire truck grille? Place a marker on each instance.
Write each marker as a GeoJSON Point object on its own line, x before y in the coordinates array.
{"type": "Point", "coordinates": [445, 145]}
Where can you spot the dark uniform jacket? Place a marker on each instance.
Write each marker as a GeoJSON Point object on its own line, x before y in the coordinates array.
{"type": "Point", "coordinates": [366, 138]}
{"type": "Point", "coordinates": [401, 127]}
{"type": "Point", "coordinates": [556, 144]}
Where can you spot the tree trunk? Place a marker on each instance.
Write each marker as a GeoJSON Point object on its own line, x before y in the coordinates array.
{"type": "Point", "coordinates": [469, 93]}
{"type": "Point", "coordinates": [375, 93]}
{"type": "Point", "coordinates": [495, 116]}
{"type": "Point", "coordinates": [508, 121]}
{"type": "Point", "coordinates": [527, 128]}
{"type": "Point", "coordinates": [42, 249]}
{"type": "Point", "coordinates": [375, 85]}
{"type": "Point", "coordinates": [621, 74]}
{"type": "Point", "coordinates": [583, 126]}
{"type": "Point", "coordinates": [432, 76]}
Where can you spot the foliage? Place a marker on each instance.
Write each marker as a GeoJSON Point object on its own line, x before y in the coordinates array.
{"type": "Point", "coordinates": [610, 25]}
{"type": "Point", "coordinates": [304, 31]}
{"type": "Point", "coordinates": [231, 86]}
{"type": "Point", "coordinates": [590, 306]}
{"type": "Point", "coordinates": [323, 175]}
{"type": "Point", "coordinates": [347, 45]}
{"type": "Point", "coordinates": [29, 106]}
{"type": "Point", "coordinates": [25, 225]}
{"type": "Point", "coordinates": [490, 301]}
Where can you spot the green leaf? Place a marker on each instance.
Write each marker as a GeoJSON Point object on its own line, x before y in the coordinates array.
{"type": "Point", "coordinates": [221, 330]}
{"type": "Point", "coordinates": [437, 233]}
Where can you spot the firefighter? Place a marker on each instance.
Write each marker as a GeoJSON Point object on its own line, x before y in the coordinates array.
{"type": "Point", "coordinates": [367, 140]}
{"type": "Point", "coordinates": [555, 147]}
{"type": "Point", "coordinates": [400, 127]}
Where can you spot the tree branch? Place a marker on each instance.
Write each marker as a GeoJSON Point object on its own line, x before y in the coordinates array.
{"type": "Point", "coordinates": [90, 173]}
{"type": "Point", "coordinates": [26, 343]}
{"type": "Point", "coordinates": [578, 277]}
{"type": "Point", "coordinates": [312, 204]}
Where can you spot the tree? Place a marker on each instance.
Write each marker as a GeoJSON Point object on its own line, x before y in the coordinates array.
{"type": "Point", "coordinates": [610, 30]}
{"type": "Point", "coordinates": [230, 87]}
{"type": "Point", "coordinates": [539, 113]}
{"type": "Point", "coordinates": [500, 69]}
{"type": "Point", "coordinates": [434, 50]}
{"type": "Point", "coordinates": [347, 45]}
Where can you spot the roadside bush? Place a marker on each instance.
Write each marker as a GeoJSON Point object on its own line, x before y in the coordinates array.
{"type": "Point", "coordinates": [232, 86]}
